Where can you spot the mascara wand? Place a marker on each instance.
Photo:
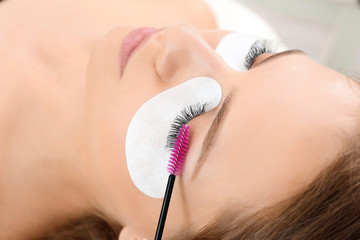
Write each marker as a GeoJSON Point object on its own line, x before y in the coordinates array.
{"type": "Point", "coordinates": [174, 167]}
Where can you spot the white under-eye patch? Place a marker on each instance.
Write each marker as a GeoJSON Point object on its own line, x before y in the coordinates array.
{"type": "Point", "coordinates": [239, 50]}
{"type": "Point", "coordinates": [233, 48]}
{"type": "Point", "coordinates": [147, 136]}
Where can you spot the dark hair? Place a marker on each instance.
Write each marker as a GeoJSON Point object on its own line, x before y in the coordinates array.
{"type": "Point", "coordinates": [88, 227]}
{"type": "Point", "coordinates": [328, 208]}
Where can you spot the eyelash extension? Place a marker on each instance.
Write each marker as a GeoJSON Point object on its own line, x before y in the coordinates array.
{"type": "Point", "coordinates": [185, 116]}
{"type": "Point", "coordinates": [260, 47]}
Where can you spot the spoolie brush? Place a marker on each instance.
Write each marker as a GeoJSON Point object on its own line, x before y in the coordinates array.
{"type": "Point", "coordinates": [174, 167]}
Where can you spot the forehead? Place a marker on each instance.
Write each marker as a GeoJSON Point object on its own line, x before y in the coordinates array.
{"type": "Point", "coordinates": [296, 77]}
{"type": "Point", "coordinates": [298, 85]}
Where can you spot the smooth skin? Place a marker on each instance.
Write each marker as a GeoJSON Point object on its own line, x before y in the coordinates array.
{"type": "Point", "coordinates": [65, 110]}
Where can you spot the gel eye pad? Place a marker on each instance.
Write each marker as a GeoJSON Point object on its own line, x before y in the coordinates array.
{"type": "Point", "coordinates": [147, 135]}
{"type": "Point", "coordinates": [235, 46]}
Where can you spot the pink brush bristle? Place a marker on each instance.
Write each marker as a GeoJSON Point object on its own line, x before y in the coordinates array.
{"type": "Point", "coordinates": [179, 150]}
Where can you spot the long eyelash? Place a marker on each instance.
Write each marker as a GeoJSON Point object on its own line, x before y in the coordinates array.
{"type": "Point", "coordinates": [260, 47]}
{"type": "Point", "coordinates": [185, 116]}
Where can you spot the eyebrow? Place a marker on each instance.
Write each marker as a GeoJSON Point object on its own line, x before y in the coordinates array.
{"type": "Point", "coordinates": [211, 135]}
{"type": "Point", "coordinates": [277, 55]}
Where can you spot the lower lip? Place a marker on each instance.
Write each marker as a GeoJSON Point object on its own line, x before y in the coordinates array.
{"type": "Point", "coordinates": [132, 40]}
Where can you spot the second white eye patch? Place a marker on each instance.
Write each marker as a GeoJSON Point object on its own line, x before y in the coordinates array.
{"type": "Point", "coordinates": [239, 51]}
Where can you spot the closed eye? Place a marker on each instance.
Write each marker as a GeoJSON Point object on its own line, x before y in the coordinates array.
{"type": "Point", "coordinates": [277, 56]}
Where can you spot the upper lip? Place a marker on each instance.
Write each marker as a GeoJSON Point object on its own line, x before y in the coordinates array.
{"type": "Point", "coordinates": [127, 53]}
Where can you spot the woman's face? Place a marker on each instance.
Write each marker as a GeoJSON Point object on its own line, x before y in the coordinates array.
{"type": "Point", "coordinates": [282, 125]}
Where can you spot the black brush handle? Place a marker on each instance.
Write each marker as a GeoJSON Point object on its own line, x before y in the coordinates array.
{"type": "Point", "coordinates": [165, 206]}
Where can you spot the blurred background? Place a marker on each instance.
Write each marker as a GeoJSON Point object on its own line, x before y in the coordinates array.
{"type": "Point", "coordinates": [327, 30]}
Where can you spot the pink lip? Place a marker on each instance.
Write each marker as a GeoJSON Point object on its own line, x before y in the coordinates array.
{"type": "Point", "coordinates": [132, 40]}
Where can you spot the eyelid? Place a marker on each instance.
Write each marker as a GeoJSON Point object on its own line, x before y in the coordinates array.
{"type": "Point", "coordinates": [257, 61]}
{"type": "Point", "coordinates": [278, 55]}
{"type": "Point", "coordinates": [258, 48]}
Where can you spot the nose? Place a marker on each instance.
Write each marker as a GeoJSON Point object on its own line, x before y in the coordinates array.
{"type": "Point", "coordinates": [184, 54]}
